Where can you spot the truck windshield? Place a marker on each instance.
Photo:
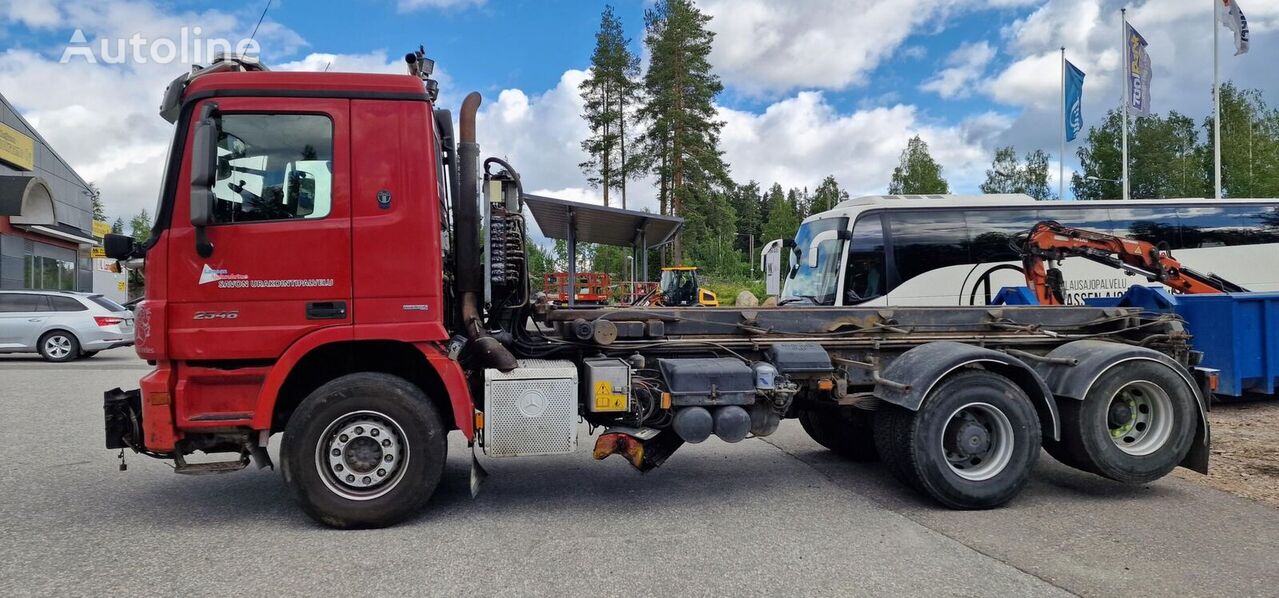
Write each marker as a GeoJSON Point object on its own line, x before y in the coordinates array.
{"type": "Point", "coordinates": [816, 284]}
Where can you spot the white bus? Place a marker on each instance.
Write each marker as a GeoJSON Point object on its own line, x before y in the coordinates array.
{"type": "Point", "coordinates": [954, 250]}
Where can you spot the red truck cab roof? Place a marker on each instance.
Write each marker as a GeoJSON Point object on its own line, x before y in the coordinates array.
{"type": "Point", "coordinates": [290, 81]}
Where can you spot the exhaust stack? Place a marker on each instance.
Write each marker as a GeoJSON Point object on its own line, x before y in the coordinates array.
{"type": "Point", "coordinates": [466, 226]}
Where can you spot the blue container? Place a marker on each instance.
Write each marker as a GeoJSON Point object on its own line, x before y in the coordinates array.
{"type": "Point", "coordinates": [1238, 333]}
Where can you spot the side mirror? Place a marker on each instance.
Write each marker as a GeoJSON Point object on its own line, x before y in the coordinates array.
{"type": "Point", "coordinates": [770, 262]}
{"type": "Point", "coordinates": [204, 154]}
{"type": "Point", "coordinates": [822, 237]}
{"type": "Point", "coordinates": [119, 247]}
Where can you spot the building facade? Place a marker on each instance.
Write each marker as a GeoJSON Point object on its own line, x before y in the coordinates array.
{"type": "Point", "coordinates": [46, 212]}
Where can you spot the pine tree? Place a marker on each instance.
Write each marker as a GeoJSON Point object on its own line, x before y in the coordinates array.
{"type": "Point", "coordinates": [780, 221]}
{"type": "Point", "coordinates": [827, 196]}
{"type": "Point", "coordinates": [609, 95]}
{"type": "Point", "coordinates": [682, 141]}
{"type": "Point", "coordinates": [917, 173]}
{"type": "Point", "coordinates": [745, 202]}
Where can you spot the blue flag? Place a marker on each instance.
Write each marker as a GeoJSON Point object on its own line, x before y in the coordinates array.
{"type": "Point", "coordinates": [1074, 101]}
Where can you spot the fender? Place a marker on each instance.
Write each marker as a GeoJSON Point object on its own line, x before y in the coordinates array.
{"type": "Point", "coordinates": [922, 368]}
{"type": "Point", "coordinates": [284, 366]}
{"type": "Point", "coordinates": [454, 379]}
{"type": "Point", "coordinates": [1095, 358]}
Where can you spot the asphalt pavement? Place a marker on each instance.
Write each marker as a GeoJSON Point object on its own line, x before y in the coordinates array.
{"type": "Point", "coordinates": [778, 516]}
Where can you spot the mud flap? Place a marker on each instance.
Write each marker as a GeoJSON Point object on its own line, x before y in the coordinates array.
{"type": "Point", "coordinates": [478, 473]}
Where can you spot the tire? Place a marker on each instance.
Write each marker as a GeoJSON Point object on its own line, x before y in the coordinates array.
{"type": "Point", "coordinates": [59, 346]}
{"type": "Point", "coordinates": [1163, 417]}
{"type": "Point", "coordinates": [88, 354]}
{"type": "Point", "coordinates": [989, 410]}
{"type": "Point", "coordinates": [846, 432]}
{"type": "Point", "coordinates": [371, 419]}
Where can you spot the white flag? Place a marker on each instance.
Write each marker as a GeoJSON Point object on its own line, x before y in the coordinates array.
{"type": "Point", "coordinates": [1232, 17]}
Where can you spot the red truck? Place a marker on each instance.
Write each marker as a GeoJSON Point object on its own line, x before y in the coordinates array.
{"type": "Point", "coordinates": [323, 266]}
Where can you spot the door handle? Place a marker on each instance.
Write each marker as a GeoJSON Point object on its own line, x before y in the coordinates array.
{"type": "Point", "coordinates": [35, 320]}
{"type": "Point", "coordinates": [326, 310]}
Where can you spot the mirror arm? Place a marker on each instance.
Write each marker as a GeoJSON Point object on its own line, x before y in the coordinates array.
{"type": "Point", "coordinates": [203, 246]}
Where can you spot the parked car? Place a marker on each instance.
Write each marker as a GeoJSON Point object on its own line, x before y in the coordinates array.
{"type": "Point", "coordinates": [62, 325]}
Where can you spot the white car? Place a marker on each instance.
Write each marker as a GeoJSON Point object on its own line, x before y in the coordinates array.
{"type": "Point", "coordinates": [62, 325]}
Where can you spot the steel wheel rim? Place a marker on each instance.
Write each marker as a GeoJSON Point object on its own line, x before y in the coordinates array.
{"type": "Point", "coordinates": [975, 463]}
{"type": "Point", "coordinates": [362, 455]}
{"type": "Point", "coordinates": [1150, 425]}
{"type": "Point", "coordinates": [57, 346]}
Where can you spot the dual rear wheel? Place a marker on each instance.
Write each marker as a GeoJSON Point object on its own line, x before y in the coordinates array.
{"type": "Point", "coordinates": [976, 437]}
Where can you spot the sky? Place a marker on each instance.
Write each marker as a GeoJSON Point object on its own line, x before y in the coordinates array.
{"type": "Point", "coordinates": [812, 87]}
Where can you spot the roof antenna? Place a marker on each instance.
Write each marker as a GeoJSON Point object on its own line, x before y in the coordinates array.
{"type": "Point", "coordinates": [260, 18]}
{"type": "Point", "coordinates": [326, 67]}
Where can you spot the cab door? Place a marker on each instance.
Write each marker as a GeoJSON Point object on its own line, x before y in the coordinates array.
{"type": "Point", "coordinates": [280, 266]}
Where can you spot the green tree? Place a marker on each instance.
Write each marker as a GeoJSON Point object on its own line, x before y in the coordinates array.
{"type": "Point", "coordinates": [681, 143]}
{"type": "Point", "coordinates": [1100, 161]}
{"type": "Point", "coordinates": [140, 226]}
{"type": "Point", "coordinates": [95, 199]}
{"type": "Point", "coordinates": [609, 95]}
{"type": "Point", "coordinates": [540, 262]}
{"type": "Point", "coordinates": [1165, 159]}
{"type": "Point", "coordinates": [117, 227]}
{"type": "Point", "coordinates": [917, 173]}
{"type": "Point", "coordinates": [827, 196]}
{"type": "Point", "coordinates": [1249, 144]}
{"type": "Point", "coordinates": [781, 221]}
{"type": "Point", "coordinates": [1008, 174]}
{"type": "Point", "coordinates": [745, 201]}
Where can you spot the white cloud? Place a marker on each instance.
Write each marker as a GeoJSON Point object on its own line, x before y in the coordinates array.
{"type": "Point", "coordinates": [102, 118]}
{"type": "Point", "coordinates": [762, 46]}
{"type": "Point", "coordinates": [965, 66]}
{"type": "Point", "coordinates": [806, 139]}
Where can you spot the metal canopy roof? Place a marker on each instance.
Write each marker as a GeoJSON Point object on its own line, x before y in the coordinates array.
{"type": "Point", "coordinates": [598, 224]}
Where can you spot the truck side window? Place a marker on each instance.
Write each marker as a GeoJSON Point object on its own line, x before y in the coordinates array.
{"type": "Point", "coordinates": [273, 167]}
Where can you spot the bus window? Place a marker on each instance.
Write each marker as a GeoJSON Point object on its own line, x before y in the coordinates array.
{"type": "Point", "coordinates": [993, 232]}
{"type": "Point", "coordinates": [1206, 226]}
{"type": "Point", "coordinates": [1097, 219]}
{"type": "Point", "coordinates": [1157, 225]}
{"type": "Point", "coordinates": [926, 241]}
{"type": "Point", "coordinates": [864, 278]}
{"type": "Point", "coordinates": [1262, 222]}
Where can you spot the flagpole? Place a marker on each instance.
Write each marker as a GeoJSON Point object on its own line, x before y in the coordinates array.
{"type": "Point", "coordinates": [1216, 98]}
{"type": "Point", "coordinates": [1061, 161]}
{"type": "Point", "coordinates": [1127, 78]}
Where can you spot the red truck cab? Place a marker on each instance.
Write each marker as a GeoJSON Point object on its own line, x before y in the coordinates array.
{"type": "Point", "coordinates": [315, 259]}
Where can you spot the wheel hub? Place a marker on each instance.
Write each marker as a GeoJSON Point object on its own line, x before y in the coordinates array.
{"type": "Point", "coordinates": [361, 455]}
{"type": "Point", "coordinates": [977, 441]}
{"type": "Point", "coordinates": [1140, 417]}
{"type": "Point", "coordinates": [970, 439]}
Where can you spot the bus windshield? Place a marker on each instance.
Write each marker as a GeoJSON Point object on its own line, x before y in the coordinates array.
{"type": "Point", "coordinates": [816, 284]}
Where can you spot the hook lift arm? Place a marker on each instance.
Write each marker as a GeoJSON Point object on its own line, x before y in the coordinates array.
{"type": "Point", "coordinates": [1051, 241]}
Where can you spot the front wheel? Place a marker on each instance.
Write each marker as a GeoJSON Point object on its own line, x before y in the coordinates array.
{"type": "Point", "coordinates": [364, 450]}
{"type": "Point", "coordinates": [971, 444]}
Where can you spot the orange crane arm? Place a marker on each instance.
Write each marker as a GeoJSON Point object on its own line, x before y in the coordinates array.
{"type": "Point", "coordinates": [1050, 241]}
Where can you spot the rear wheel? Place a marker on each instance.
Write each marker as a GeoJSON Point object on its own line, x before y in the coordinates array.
{"type": "Point", "coordinates": [1135, 425]}
{"type": "Point", "coordinates": [59, 346]}
{"type": "Point", "coordinates": [971, 445]}
{"type": "Point", "coordinates": [364, 450]}
{"type": "Point", "coordinates": [847, 432]}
